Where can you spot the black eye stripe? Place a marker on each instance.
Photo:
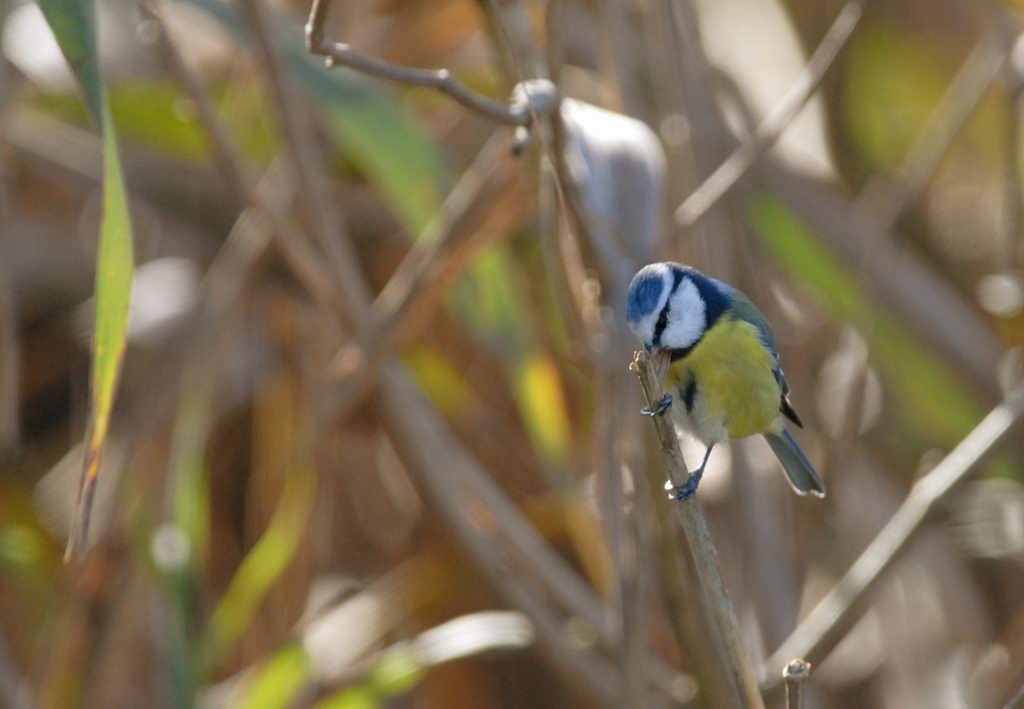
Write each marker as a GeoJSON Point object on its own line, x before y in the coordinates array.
{"type": "Point", "coordinates": [659, 327]}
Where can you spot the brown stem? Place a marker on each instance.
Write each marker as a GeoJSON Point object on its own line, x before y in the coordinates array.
{"type": "Point", "coordinates": [707, 590]}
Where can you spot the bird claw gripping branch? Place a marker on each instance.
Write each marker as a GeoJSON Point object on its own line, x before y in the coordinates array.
{"type": "Point", "coordinates": [664, 405]}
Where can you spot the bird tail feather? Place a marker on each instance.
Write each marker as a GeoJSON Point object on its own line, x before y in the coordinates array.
{"type": "Point", "coordinates": [802, 475]}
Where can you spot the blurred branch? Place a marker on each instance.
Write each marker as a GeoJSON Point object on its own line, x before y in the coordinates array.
{"type": "Point", "coordinates": [1014, 73]}
{"type": "Point", "coordinates": [427, 447]}
{"type": "Point", "coordinates": [450, 476]}
{"type": "Point", "coordinates": [935, 311]}
{"type": "Point", "coordinates": [10, 336]}
{"type": "Point", "coordinates": [356, 364]}
{"type": "Point", "coordinates": [10, 348]}
{"type": "Point", "coordinates": [443, 80]}
{"type": "Point", "coordinates": [616, 57]}
{"type": "Point", "coordinates": [796, 673]}
{"type": "Point", "coordinates": [291, 242]}
{"type": "Point", "coordinates": [775, 123]}
{"type": "Point", "coordinates": [828, 623]}
{"type": "Point", "coordinates": [563, 139]}
{"type": "Point", "coordinates": [14, 692]}
{"type": "Point", "coordinates": [888, 197]}
{"type": "Point", "coordinates": [1018, 700]}
{"type": "Point", "coordinates": [482, 633]}
{"type": "Point", "coordinates": [328, 226]}
{"type": "Point", "coordinates": [710, 594]}
{"type": "Point", "coordinates": [226, 156]}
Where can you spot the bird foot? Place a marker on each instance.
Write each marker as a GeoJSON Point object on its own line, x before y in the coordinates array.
{"type": "Point", "coordinates": [664, 405]}
{"type": "Point", "coordinates": [685, 491]}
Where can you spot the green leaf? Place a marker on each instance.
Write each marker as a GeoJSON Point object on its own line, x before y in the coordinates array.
{"type": "Point", "coordinates": [358, 697]}
{"type": "Point", "coordinates": [279, 680]}
{"type": "Point", "coordinates": [406, 173]}
{"type": "Point", "coordinates": [541, 399]}
{"type": "Point", "coordinates": [156, 115]}
{"type": "Point", "coordinates": [443, 383]}
{"type": "Point", "coordinates": [486, 299]}
{"type": "Point", "coordinates": [398, 672]}
{"type": "Point", "coordinates": [187, 465]}
{"type": "Point", "coordinates": [261, 567]}
{"type": "Point", "coordinates": [20, 547]}
{"type": "Point", "coordinates": [73, 24]}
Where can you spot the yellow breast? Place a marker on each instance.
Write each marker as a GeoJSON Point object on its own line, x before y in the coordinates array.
{"type": "Point", "coordinates": [735, 383]}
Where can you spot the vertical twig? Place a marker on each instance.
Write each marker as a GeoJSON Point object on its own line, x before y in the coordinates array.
{"type": "Point", "coordinates": [356, 364]}
{"type": "Point", "coordinates": [796, 673]}
{"type": "Point", "coordinates": [710, 592]}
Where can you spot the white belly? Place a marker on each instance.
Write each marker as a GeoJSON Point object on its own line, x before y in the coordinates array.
{"type": "Point", "coordinates": [709, 427]}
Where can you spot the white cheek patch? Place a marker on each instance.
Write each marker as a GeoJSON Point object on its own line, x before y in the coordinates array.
{"type": "Point", "coordinates": [686, 317]}
{"type": "Point", "coordinates": [644, 327]}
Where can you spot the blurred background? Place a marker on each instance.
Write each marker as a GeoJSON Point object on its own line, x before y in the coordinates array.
{"type": "Point", "coordinates": [376, 443]}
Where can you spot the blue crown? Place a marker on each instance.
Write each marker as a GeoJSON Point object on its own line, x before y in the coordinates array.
{"type": "Point", "coordinates": [644, 292]}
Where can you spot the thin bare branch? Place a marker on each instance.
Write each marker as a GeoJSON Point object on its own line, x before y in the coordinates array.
{"type": "Point", "coordinates": [340, 54]}
{"type": "Point", "coordinates": [425, 444]}
{"type": "Point", "coordinates": [822, 629]}
{"type": "Point", "coordinates": [328, 226]}
{"type": "Point", "coordinates": [775, 123]}
{"type": "Point", "coordinates": [888, 197]}
{"type": "Point", "coordinates": [536, 547]}
{"type": "Point", "coordinates": [227, 157]}
{"type": "Point", "coordinates": [291, 242]}
{"type": "Point", "coordinates": [903, 281]}
{"type": "Point", "coordinates": [710, 593]}
{"type": "Point", "coordinates": [421, 442]}
{"type": "Point", "coordinates": [356, 364]}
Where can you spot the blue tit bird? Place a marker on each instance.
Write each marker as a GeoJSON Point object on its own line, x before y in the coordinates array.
{"type": "Point", "coordinates": [715, 350]}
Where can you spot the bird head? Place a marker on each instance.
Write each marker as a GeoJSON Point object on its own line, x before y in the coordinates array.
{"type": "Point", "coordinates": [671, 306]}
